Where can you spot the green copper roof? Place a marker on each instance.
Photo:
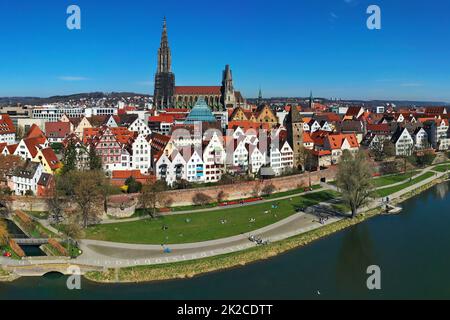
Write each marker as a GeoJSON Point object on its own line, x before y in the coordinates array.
{"type": "Point", "coordinates": [200, 113]}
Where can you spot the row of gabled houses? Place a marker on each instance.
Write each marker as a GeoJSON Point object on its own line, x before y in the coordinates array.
{"type": "Point", "coordinates": [167, 145]}
{"type": "Point", "coordinates": [38, 163]}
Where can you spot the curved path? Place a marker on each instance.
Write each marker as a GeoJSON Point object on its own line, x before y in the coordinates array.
{"type": "Point", "coordinates": [117, 255]}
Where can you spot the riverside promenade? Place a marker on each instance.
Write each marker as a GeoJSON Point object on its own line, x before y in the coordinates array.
{"type": "Point", "coordinates": [100, 254]}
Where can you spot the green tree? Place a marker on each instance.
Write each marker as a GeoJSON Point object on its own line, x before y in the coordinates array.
{"type": "Point", "coordinates": [134, 186]}
{"type": "Point", "coordinates": [69, 160]}
{"type": "Point", "coordinates": [95, 162]}
{"type": "Point", "coordinates": [354, 180]}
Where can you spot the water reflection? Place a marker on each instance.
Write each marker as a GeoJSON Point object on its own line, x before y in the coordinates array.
{"type": "Point", "coordinates": [356, 253]}
{"type": "Point", "coordinates": [442, 190]}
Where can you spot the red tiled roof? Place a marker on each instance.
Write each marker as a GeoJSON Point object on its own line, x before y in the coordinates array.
{"type": "Point", "coordinates": [353, 111]}
{"type": "Point", "coordinates": [321, 153]}
{"type": "Point", "coordinates": [34, 132]}
{"type": "Point", "coordinates": [31, 146]}
{"type": "Point", "coordinates": [122, 134]}
{"type": "Point", "coordinates": [3, 146]}
{"type": "Point", "coordinates": [167, 118]}
{"type": "Point", "coordinates": [6, 125]}
{"type": "Point", "coordinates": [336, 140]}
{"type": "Point", "coordinates": [307, 138]}
{"type": "Point", "coordinates": [125, 174]}
{"type": "Point", "coordinates": [51, 158]}
{"type": "Point", "coordinates": [176, 110]}
{"type": "Point", "coordinates": [198, 90]}
{"type": "Point", "coordinates": [288, 108]}
{"type": "Point", "coordinates": [120, 176]}
{"type": "Point", "coordinates": [382, 127]}
{"type": "Point", "coordinates": [331, 116]}
{"type": "Point", "coordinates": [246, 125]}
{"type": "Point", "coordinates": [57, 129]}
{"type": "Point", "coordinates": [12, 148]}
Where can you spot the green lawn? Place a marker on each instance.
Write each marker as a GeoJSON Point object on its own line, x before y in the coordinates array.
{"type": "Point", "coordinates": [442, 168]}
{"type": "Point", "coordinates": [213, 205]}
{"type": "Point", "coordinates": [197, 227]}
{"type": "Point", "coordinates": [289, 193]}
{"type": "Point", "coordinates": [391, 179]}
{"type": "Point", "coordinates": [388, 191]}
{"type": "Point", "coordinates": [38, 214]}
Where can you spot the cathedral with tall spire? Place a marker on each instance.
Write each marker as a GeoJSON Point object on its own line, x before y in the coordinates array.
{"type": "Point", "coordinates": [164, 78]}
{"type": "Point", "coordinates": [167, 95]}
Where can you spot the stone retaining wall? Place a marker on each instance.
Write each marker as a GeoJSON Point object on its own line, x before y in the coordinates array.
{"type": "Point", "coordinates": [184, 197]}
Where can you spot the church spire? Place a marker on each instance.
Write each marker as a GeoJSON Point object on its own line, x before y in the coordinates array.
{"type": "Point", "coordinates": [260, 96]}
{"type": "Point", "coordinates": [311, 100]}
{"type": "Point", "coordinates": [164, 78]}
{"type": "Point", "coordinates": [164, 55]}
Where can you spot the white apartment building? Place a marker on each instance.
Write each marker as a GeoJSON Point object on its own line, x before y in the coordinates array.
{"type": "Point", "coordinates": [26, 178]}
{"type": "Point", "coordinates": [52, 113]}
{"type": "Point", "coordinates": [141, 154]}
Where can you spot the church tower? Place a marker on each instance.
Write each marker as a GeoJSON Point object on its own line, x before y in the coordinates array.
{"type": "Point", "coordinates": [294, 126]}
{"type": "Point", "coordinates": [311, 101]}
{"type": "Point", "coordinates": [260, 97]}
{"type": "Point", "coordinates": [164, 78]}
{"type": "Point", "coordinates": [228, 94]}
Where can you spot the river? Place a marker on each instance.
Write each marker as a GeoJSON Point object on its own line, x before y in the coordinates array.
{"type": "Point", "coordinates": [412, 250]}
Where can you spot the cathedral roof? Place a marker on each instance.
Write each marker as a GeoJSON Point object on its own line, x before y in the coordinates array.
{"type": "Point", "coordinates": [198, 90]}
{"type": "Point", "coordinates": [200, 113]}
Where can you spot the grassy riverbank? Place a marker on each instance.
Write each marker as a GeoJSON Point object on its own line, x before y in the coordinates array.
{"type": "Point", "coordinates": [189, 269]}
{"type": "Point", "coordinates": [198, 227]}
{"type": "Point", "coordinates": [391, 190]}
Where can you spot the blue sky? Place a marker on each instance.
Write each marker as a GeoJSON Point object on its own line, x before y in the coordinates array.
{"type": "Point", "coordinates": [288, 47]}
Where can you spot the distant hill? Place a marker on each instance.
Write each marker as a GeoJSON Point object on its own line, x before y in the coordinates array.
{"type": "Point", "coordinates": [398, 103]}
{"type": "Point", "coordinates": [66, 98]}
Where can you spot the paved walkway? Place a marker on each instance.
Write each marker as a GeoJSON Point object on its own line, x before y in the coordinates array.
{"type": "Point", "coordinates": [108, 254]}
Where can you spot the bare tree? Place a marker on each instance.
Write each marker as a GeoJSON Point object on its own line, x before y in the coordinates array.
{"type": "Point", "coordinates": [5, 202]}
{"type": "Point", "coordinates": [56, 204]}
{"type": "Point", "coordinates": [354, 180]}
{"type": "Point", "coordinates": [4, 233]}
{"type": "Point", "coordinates": [86, 193]}
{"type": "Point", "coordinates": [151, 196]}
{"type": "Point", "coordinates": [73, 232]}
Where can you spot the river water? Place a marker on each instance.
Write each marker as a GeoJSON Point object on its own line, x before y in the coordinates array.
{"type": "Point", "coordinates": [411, 249]}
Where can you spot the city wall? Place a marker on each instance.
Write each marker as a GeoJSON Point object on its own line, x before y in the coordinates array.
{"type": "Point", "coordinates": [184, 197]}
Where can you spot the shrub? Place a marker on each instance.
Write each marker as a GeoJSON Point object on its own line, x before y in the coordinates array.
{"type": "Point", "coordinates": [16, 248]}
{"type": "Point", "coordinates": [221, 196]}
{"type": "Point", "coordinates": [25, 220]}
{"type": "Point", "coordinates": [268, 189]}
{"type": "Point", "coordinates": [425, 159]}
{"type": "Point", "coordinates": [133, 185]}
{"type": "Point", "coordinates": [58, 247]}
{"type": "Point", "coordinates": [201, 199]}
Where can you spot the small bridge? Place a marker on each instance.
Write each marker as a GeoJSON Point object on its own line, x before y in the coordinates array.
{"type": "Point", "coordinates": [31, 242]}
{"type": "Point", "coordinates": [36, 270]}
